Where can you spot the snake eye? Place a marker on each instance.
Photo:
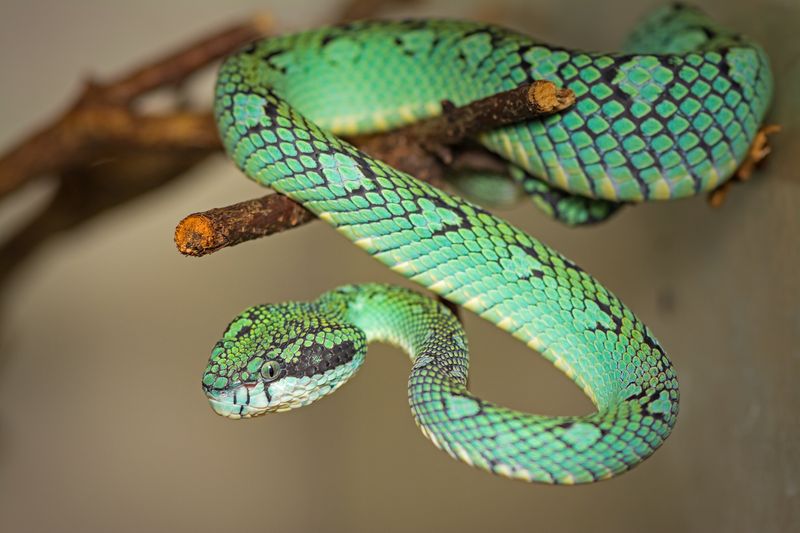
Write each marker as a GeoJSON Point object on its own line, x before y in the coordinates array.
{"type": "Point", "coordinates": [270, 370]}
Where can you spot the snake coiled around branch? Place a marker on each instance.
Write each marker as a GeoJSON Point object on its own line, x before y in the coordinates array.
{"type": "Point", "coordinates": [671, 116]}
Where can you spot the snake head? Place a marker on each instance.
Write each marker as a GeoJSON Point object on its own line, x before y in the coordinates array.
{"type": "Point", "coordinates": [279, 357]}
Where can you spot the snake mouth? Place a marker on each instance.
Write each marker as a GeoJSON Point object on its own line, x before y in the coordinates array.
{"type": "Point", "coordinates": [245, 400]}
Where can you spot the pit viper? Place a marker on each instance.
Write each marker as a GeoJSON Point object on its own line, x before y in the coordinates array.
{"type": "Point", "coordinates": [671, 116]}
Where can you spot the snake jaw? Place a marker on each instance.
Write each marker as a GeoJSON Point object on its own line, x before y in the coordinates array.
{"type": "Point", "coordinates": [245, 400]}
{"type": "Point", "coordinates": [248, 400]}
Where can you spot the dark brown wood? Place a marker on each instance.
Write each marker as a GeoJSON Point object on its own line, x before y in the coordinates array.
{"type": "Point", "coordinates": [182, 63]}
{"type": "Point", "coordinates": [202, 233]}
{"type": "Point", "coordinates": [529, 101]}
{"type": "Point", "coordinates": [103, 152]}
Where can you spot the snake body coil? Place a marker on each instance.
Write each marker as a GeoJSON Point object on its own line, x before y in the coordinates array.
{"type": "Point", "coordinates": [671, 117]}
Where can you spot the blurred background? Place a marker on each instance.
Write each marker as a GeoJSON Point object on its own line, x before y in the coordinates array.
{"type": "Point", "coordinates": [105, 331]}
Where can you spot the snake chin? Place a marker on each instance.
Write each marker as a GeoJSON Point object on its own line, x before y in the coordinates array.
{"type": "Point", "coordinates": [246, 400]}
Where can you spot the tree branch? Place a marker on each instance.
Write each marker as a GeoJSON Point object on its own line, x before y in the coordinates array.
{"type": "Point", "coordinates": [203, 233]}
{"type": "Point", "coordinates": [103, 152]}
{"type": "Point", "coordinates": [176, 67]}
{"type": "Point", "coordinates": [421, 149]}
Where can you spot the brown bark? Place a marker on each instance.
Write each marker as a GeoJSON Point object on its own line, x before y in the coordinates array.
{"type": "Point", "coordinates": [202, 233]}
{"type": "Point", "coordinates": [103, 152]}
{"type": "Point", "coordinates": [422, 149]}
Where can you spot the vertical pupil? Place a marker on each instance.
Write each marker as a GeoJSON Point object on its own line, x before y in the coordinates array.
{"type": "Point", "coordinates": [269, 370]}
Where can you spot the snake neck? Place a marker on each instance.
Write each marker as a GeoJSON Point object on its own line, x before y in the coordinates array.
{"type": "Point", "coordinates": [401, 318]}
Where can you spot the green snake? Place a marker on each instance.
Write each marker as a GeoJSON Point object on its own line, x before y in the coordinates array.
{"type": "Point", "coordinates": [671, 116]}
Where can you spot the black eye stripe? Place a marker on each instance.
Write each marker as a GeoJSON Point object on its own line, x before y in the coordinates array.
{"type": "Point", "coordinates": [317, 359]}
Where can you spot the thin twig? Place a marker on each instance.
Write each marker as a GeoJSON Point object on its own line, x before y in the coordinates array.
{"type": "Point", "coordinates": [528, 101]}
{"type": "Point", "coordinates": [184, 62]}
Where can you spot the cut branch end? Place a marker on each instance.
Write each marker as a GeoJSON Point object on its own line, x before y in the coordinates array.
{"type": "Point", "coordinates": [545, 97]}
{"type": "Point", "coordinates": [202, 233]}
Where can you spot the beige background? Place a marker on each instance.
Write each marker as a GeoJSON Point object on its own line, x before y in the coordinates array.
{"type": "Point", "coordinates": [103, 426]}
